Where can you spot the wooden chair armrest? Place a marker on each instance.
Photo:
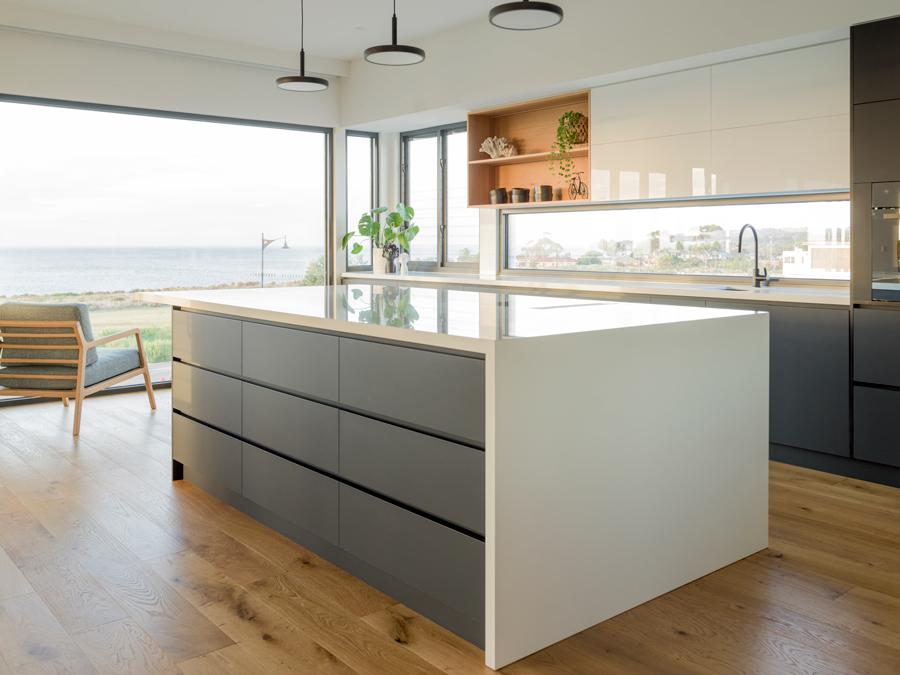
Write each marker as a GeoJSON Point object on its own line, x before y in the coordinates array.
{"type": "Point", "coordinates": [112, 338]}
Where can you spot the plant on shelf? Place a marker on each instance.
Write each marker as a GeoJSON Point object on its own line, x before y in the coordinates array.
{"type": "Point", "coordinates": [569, 134]}
{"type": "Point", "coordinates": [388, 239]}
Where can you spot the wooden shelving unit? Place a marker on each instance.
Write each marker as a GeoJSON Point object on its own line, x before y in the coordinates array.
{"type": "Point", "coordinates": [531, 126]}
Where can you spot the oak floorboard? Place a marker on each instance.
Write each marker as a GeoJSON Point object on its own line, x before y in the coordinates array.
{"type": "Point", "coordinates": [441, 648]}
{"type": "Point", "coordinates": [32, 641]}
{"type": "Point", "coordinates": [12, 581]}
{"type": "Point", "coordinates": [123, 647]}
{"type": "Point", "coordinates": [155, 424]}
{"type": "Point", "coordinates": [233, 660]}
{"type": "Point", "coordinates": [366, 650]}
{"type": "Point", "coordinates": [172, 622]}
{"type": "Point", "coordinates": [263, 632]}
{"type": "Point", "coordinates": [28, 486]}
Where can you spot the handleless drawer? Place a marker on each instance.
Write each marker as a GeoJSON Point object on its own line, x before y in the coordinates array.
{"type": "Point", "coordinates": [439, 561]}
{"type": "Point", "coordinates": [208, 397]}
{"type": "Point", "coordinates": [212, 453]}
{"type": "Point", "coordinates": [876, 418]}
{"type": "Point", "coordinates": [442, 478]}
{"type": "Point", "coordinates": [292, 426]}
{"type": "Point", "coordinates": [297, 360]}
{"type": "Point", "coordinates": [302, 496]}
{"type": "Point", "coordinates": [436, 391]}
{"type": "Point", "coordinates": [209, 341]}
{"type": "Point", "coordinates": [876, 335]}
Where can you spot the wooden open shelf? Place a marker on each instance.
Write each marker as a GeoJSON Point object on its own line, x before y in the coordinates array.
{"type": "Point", "coordinates": [531, 127]}
{"type": "Point", "coordinates": [525, 159]}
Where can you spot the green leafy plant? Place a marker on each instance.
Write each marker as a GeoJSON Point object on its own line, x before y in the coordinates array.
{"type": "Point", "coordinates": [396, 233]}
{"type": "Point", "coordinates": [567, 137]}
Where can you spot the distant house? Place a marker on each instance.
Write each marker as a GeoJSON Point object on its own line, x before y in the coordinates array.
{"type": "Point", "coordinates": [544, 262]}
{"type": "Point", "coordinates": [627, 260]}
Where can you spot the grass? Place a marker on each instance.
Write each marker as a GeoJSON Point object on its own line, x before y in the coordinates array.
{"type": "Point", "coordinates": [157, 341]}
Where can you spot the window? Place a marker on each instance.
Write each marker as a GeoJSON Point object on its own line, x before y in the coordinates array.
{"type": "Point", "coordinates": [795, 239]}
{"type": "Point", "coordinates": [98, 202]}
{"type": "Point", "coordinates": [362, 186]}
{"type": "Point", "coordinates": [435, 183]}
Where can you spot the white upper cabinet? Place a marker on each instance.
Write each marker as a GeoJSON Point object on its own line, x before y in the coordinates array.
{"type": "Point", "coordinates": [666, 105]}
{"type": "Point", "coordinates": [768, 124]}
{"type": "Point", "coordinates": [783, 87]}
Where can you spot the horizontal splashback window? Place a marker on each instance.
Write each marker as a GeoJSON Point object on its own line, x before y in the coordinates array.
{"type": "Point", "coordinates": [797, 240]}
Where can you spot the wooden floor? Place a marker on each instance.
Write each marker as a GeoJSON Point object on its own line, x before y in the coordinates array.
{"type": "Point", "coordinates": [107, 566]}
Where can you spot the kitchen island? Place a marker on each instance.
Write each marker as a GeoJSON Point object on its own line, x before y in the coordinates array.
{"type": "Point", "coordinates": [515, 468]}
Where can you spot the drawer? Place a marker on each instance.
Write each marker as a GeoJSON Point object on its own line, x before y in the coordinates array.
{"type": "Point", "coordinates": [212, 453]}
{"type": "Point", "coordinates": [436, 391]}
{"type": "Point", "coordinates": [436, 476]}
{"type": "Point", "coordinates": [209, 397]}
{"type": "Point", "coordinates": [292, 426]}
{"type": "Point", "coordinates": [876, 419]}
{"type": "Point", "coordinates": [876, 346]}
{"type": "Point", "coordinates": [302, 496]}
{"type": "Point", "coordinates": [442, 563]}
{"type": "Point", "coordinates": [209, 341]}
{"type": "Point", "coordinates": [297, 360]}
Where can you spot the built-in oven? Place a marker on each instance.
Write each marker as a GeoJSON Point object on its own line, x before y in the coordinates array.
{"type": "Point", "coordinates": [886, 241]}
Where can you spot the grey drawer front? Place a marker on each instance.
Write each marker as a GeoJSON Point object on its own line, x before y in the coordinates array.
{"type": "Point", "coordinates": [304, 497]}
{"type": "Point", "coordinates": [292, 359]}
{"type": "Point", "coordinates": [211, 398]}
{"type": "Point", "coordinates": [210, 452]}
{"type": "Point", "coordinates": [293, 426]}
{"type": "Point", "coordinates": [436, 476]}
{"type": "Point", "coordinates": [442, 392]}
{"type": "Point", "coordinates": [445, 564]}
{"type": "Point", "coordinates": [209, 341]}
{"type": "Point", "coordinates": [876, 335]}
{"type": "Point", "coordinates": [876, 418]}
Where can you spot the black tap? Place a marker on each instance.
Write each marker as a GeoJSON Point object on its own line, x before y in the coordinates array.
{"type": "Point", "coordinates": [757, 277]}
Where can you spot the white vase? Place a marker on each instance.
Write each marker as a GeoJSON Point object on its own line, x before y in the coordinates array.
{"type": "Point", "coordinates": [379, 264]}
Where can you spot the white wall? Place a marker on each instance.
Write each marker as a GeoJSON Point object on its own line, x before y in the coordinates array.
{"type": "Point", "coordinates": [773, 123]}
{"type": "Point", "coordinates": [476, 65]}
{"type": "Point", "coordinates": [77, 70]}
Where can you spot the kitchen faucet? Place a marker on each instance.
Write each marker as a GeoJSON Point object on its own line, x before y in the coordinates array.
{"type": "Point", "coordinates": [757, 277]}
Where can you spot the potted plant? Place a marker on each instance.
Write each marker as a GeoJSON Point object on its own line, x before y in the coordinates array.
{"type": "Point", "coordinates": [571, 133]}
{"type": "Point", "coordinates": [387, 240]}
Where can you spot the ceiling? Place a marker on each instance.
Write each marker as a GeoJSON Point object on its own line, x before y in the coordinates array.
{"type": "Point", "coordinates": [340, 29]}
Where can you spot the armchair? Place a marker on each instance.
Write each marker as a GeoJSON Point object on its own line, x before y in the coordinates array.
{"type": "Point", "coordinates": [49, 350]}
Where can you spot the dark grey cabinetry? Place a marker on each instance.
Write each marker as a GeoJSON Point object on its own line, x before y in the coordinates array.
{"type": "Point", "coordinates": [210, 452]}
{"type": "Point", "coordinates": [291, 426]}
{"type": "Point", "coordinates": [208, 341]}
{"type": "Point", "coordinates": [876, 142]}
{"type": "Point", "coordinates": [296, 360]}
{"type": "Point", "coordinates": [442, 392]}
{"type": "Point", "coordinates": [876, 66]}
{"type": "Point", "coordinates": [876, 419]}
{"type": "Point", "coordinates": [876, 338]}
{"type": "Point", "coordinates": [445, 564]}
{"type": "Point", "coordinates": [209, 397]}
{"type": "Point", "coordinates": [442, 478]}
{"type": "Point", "coordinates": [304, 497]}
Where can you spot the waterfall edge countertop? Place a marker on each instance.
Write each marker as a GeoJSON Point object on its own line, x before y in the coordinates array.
{"type": "Point", "coordinates": [448, 318]}
{"type": "Point", "coordinates": [730, 289]}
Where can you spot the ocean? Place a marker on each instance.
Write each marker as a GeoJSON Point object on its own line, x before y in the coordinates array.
{"type": "Point", "coordinates": [48, 270]}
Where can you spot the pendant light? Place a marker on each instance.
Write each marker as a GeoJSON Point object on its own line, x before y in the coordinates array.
{"type": "Point", "coordinates": [526, 15]}
{"type": "Point", "coordinates": [302, 82]}
{"type": "Point", "coordinates": [394, 54]}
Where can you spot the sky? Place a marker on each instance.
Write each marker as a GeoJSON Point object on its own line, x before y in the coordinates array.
{"type": "Point", "coordinates": [73, 177]}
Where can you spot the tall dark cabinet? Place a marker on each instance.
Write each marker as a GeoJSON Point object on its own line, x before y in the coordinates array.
{"type": "Point", "coordinates": [875, 152]}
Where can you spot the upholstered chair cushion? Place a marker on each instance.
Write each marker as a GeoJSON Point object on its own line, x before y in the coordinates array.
{"type": "Point", "coordinates": [39, 311]}
{"type": "Point", "coordinates": [111, 362]}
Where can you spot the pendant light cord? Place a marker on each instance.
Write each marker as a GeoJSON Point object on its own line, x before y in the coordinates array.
{"type": "Point", "coordinates": [301, 25]}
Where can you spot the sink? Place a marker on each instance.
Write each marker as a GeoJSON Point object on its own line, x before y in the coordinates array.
{"type": "Point", "coordinates": [735, 288]}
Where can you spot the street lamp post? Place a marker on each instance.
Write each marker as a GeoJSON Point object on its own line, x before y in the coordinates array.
{"type": "Point", "coordinates": [262, 257]}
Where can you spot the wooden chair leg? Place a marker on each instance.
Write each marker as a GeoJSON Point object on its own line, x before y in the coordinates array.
{"type": "Point", "coordinates": [65, 402]}
{"type": "Point", "coordinates": [149, 386]}
{"type": "Point", "coordinates": [79, 400]}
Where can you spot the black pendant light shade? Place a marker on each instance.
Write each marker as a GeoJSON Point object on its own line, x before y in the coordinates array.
{"type": "Point", "coordinates": [526, 15]}
{"type": "Point", "coordinates": [394, 54]}
{"type": "Point", "coordinates": [302, 82]}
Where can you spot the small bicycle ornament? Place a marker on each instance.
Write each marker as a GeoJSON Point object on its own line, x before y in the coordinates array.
{"type": "Point", "coordinates": [577, 187]}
